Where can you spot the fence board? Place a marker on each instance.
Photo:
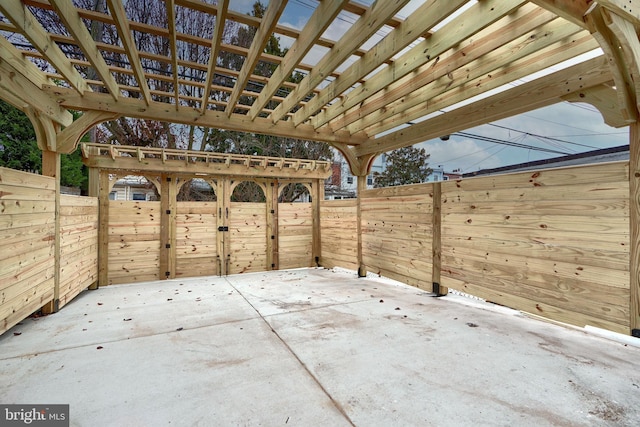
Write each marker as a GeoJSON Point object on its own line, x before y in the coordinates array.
{"type": "Point", "coordinates": [295, 235]}
{"type": "Point", "coordinates": [397, 225]}
{"type": "Point", "coordinates": [554, 243]}
{"type": "Point", "coordinates": [339, 242]}
{"type": "Point", "coordinates": [78, 245]}
{"type": "Point", "coordinates": [27, 224]}
{"type": "Point", "coordinates": [134, 241]}
{"type": "Point", "coordinates": [196, 234]}
{"type": "Point", "coordinates": [247, 237]}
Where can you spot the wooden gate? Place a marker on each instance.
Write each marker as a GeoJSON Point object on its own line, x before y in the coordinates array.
{"type": "Point", "coordinates": [196, 237]}
{"type": "Point", "coordinates": [147, 240]}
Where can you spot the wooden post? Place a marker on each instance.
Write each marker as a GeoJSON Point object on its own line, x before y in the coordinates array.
{"type": "Point", "coordinates": [273, 256]}
{"type": "Point", "coordinates": [222, 237]}
{"type": "Point", "coordinates": [168, 205]}
{"type": "Point", "coordinates": [104, 188]}
{"type": "Point", "coordinates": [94, 177]}
{"type": "Point", "coordinates": [362, 185]}
{"type": "Point", "coordinates": [436, 241]}
{"type": "Point", "coordinates": [634, 223]}
{"type": "Point", "coordinates": [51, 167]}
{"type": "Point", "coordinates": [316, 198]}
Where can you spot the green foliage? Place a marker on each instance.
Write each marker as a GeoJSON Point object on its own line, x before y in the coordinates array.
{"type": "Point", "coordinates": [406, 165]}
{"type": "Point", "coordinates": [18, 146]}
{"type": "Point", "coordinates": [19, 149]}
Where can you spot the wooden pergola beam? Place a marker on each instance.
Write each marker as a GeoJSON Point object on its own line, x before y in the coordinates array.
{"type": "Point", "coordinates": [470, 22]}
{"type": "Point", "coordinates": [571, 10]}
{"type": "Point", "coordinates": [124, 31]}
{"type": "Point", "coordinates": [528, 31]}
{"type": "Point", "coordinates": [22, 81]}
{"type": "Point", "coordinates": [71, 18]}
{"type": "Point", "coordinates": [363, 29]}
{"type": "Point", "coordinates": [422, 20]}
{"type": "Point", "coordinates": [265, 31]}
{"type": "Point", "coordinates": [627, 9]}
{"type": "Point", "coordinates": [137, 108]}
{"type": "Point", "coordinates": [221, 17]}
{"type": "Point", "coordinates": [445, 92]}
{"type": "Point", "coordinates": [173, 48]}
{"type": "Point", "coordinates": [29, 26]}
{"type": "Point", "coordinates": [526, 97]}
{"type": "Point", "coordinates": [199, 163]}
{"type": "Point", "coordinates": [317, 24]}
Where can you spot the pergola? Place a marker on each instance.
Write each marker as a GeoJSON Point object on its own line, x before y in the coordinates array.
{"type": "Point", "coordinates": [433, 73]}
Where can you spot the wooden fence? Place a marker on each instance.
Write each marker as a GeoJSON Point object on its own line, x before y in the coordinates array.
{"type": "Point", "coordinates": [554, 243]}
{"type": "Point", "coordinates": [134, 241]}
{"type": "Point", "coordinates": [396, 233]}
{"type": "Point", "coordinates": [27, 233]}
{"type": "Point", "coordinates": [248, 237]}
{"type": "Point", "coordinates": [295, 235]}
{"type": "Point", "coordinates": [32, 243]}
{"type": "Point", "coordinates": [78, 245]}
{"type": "Point", "coordinates": [338, 219]}
{"type": "Point", "coordinates": [196, 251]}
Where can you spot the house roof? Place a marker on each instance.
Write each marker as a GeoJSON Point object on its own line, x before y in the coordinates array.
{"type": "Point", "coordinates": [611, 154]}
{"type": "Point", "coordinates": [400, 73]}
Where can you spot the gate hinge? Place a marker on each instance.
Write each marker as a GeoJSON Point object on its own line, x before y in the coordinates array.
{"type": "Point", "coordinates": [223, 228]}
{"type": "Point", "coordinates": [167, 246]}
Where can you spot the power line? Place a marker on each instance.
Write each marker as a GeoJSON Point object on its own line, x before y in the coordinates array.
{"type": "Point", "coordinates": [509, 143]}
{"type": "Point", "coordinates": [541, 136]}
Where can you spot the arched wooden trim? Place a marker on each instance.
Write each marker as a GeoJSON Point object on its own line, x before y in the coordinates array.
{"type": "Point", "coordinates": [155, 180]}
{"type": "Point", "coordinates": [283, 185]}
{"type": "Point", "coordinates": [235, 183]}
{"type": "Point", "coordinates": [605, 99]}
{"type": "Point", "coordinates": [112, 182]}
{"type": "Point", "coordinates": [627, 38]}
{"type": "Point", "coordinates": [617, 63]}
{"type": "Point", "coordinates": [366, 162]}
{"type": "Point", "coordinates": [350, 156]}
{"type": "Point", "coordinates": [69, 137]}
{"type": "Point", "coordinates": [45, 129]}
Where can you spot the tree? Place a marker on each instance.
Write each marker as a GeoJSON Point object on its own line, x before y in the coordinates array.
{"type": "Point", "coordinates": [406, 165]}
{"type": "Point", "coordinates": [19, 149]}
{"type": "Point", "coordinates": [193, 23]}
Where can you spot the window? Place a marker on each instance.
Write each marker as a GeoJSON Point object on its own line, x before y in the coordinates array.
{"type": "Point", "coordinates": [369, 180]}
{"type": "Point", "coordinates": [112, 195]}
{"type": "Point", "coordinates": [139, 196]}
{"type": "Point", "coordinates": [349, 180]}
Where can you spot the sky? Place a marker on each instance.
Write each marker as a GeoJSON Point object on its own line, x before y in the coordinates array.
{"type": "Point", "coordinates": [565, 127]}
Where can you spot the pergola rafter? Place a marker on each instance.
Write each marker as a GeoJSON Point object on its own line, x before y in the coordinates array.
{"type": "Point", "coordinates": [436, 57]}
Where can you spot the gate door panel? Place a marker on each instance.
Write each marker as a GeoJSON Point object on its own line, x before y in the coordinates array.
{"type": "Point", "coordinates": [196, 228]}
{"type": "Point", "coordinates": [247, 237]}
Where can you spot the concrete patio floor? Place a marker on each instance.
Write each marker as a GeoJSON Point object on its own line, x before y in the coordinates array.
{"type": "Point", "coordinates": [312, 347]}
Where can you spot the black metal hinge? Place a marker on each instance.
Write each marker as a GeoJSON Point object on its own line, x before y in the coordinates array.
{"type": "Point", "coordinates": [167, 246]}
{"type": "Point", "coordinates": [223, 228]}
